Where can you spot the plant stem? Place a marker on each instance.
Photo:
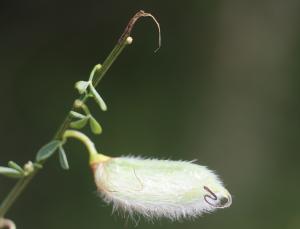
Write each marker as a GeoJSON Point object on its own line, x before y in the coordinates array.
{"type": "Point", "coordinates": [23, 182]}
{"type": "Point", "coordinates": [94, 156]}
{"type": "Point", "coordinates": [123, 41]}
{"type": "Point", "coordinates": [15, 193]}
{"type": "Point", "coordinates": [97, 77]}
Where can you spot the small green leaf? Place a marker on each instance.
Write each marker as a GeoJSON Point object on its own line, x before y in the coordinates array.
{"type": "Point", "coordinates": [75, 114]}
{"type": "Point", "coordinates": [15, 166]}
{"type": "Point", "coordinates": [9, 172]}
{"type": "Point", "coordinates": [95, 126]}
{"type": "Point", "coordinates": [63, 158]}
{"type": "Point", "coordinates": [81, 86]}
{"type": "Point", "coordinates": [80, 123]}
{"type": "Point", "coordinates": [98, 98]}
{"type": "Point", "coordinates": [47, 150]}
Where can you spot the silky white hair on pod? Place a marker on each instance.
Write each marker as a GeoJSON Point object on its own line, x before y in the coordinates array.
{"type": "Point", "coordinates": [160, 188]}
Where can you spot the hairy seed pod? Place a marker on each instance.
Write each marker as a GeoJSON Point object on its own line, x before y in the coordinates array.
{"type": "Point", "coordinates": [159, 188]}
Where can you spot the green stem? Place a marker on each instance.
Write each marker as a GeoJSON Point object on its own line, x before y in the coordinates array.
{"type": "Point", "coordinates": [110, 60]}
{"type": "Point", "coordinates": [23, 182]}
{"type": "Point", "coordinates": [95, 157]}
{"type": "Point", "coordinates": [15, 193]}
{"type": "Point", "coordinates": [96, 80]}
{"type": "Point", "coordinates": [124, 40]}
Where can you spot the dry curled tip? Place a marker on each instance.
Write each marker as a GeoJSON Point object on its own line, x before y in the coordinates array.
{"type": "Point", "coordinates": [7, 223]}
{"type": "Point", "coordinates": [132, 22]}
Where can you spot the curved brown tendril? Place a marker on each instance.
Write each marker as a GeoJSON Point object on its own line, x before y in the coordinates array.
{"type": "Point", "coordinates": [212, 196]}
{"type": "Point", "coordinates": [7, 223]}
{"type": "Point", "coordinates": [132, 22]}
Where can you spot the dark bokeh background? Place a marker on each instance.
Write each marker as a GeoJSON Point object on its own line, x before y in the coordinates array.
{"type": "Point", "coordinates": [224, 89]}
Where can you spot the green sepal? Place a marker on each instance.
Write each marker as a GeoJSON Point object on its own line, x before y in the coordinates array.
{"type": "Point", "coordinates": [63, 158]}
{"type": "Point", "coordinates": [79, 124]}
{"type": "Point", "coordinates": [95, 126]}
{"type": "Point", "coordinates": [9, 172]}
{"type": "Point", "coordinates": [15, 166]}
{"type": "Point", "coordinates": [47, 150]}
{"type": "Point", "coordinates": [81, 86]}
{"type": "Point", "coordinates": [98, 98]}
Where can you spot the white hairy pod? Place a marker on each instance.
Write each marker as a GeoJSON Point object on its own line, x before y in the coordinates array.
{"type": "Point", "coordinates": [159, 188]}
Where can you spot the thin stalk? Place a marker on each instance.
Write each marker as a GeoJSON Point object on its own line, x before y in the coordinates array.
{"type": "Point", "coordinates": [123, 41]}
{"type": "Point", "coordinates": [23, 182]}
{"type": "Point", "coordinates": [15, 193]}
{"type": "Point", "coordinates": [94, 156]}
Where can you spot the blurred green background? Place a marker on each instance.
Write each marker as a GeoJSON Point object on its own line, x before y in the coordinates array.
{"type": "Point", "coordinates": [224, 88]}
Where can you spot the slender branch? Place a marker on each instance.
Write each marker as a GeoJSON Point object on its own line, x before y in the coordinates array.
{"type": "Point", "coordinates": [23, 182]}
{"type": "Point", "coordinates": [15, 193]}
{"type": "Point", "coordinates": [93, 154]}
{"type": "Point", "coordinates": [124, 40]}
{"type": "Point", "coordinates": [83, 138]}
